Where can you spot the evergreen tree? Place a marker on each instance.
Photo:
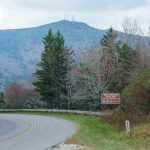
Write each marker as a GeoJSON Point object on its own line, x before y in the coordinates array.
{"type": "Point", "coordinates": [109, 59]}
{"type": "Point", "coordinates": [116, 63]}
{"type": "Point", "coordinates": [52, 75]}
{"type": "Point", "coordinates": [108, 40]}
{"type": "Point", "coordinates": [126, 56]}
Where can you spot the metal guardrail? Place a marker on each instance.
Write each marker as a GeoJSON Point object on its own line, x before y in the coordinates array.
{"type": "Point", "coordinates": [53, 111]}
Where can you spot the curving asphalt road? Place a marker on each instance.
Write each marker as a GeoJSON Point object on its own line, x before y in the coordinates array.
{"type": "Point", "coordinates": [31, 132]}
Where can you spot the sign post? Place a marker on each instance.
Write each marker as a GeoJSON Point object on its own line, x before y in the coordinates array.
{"type": "Point", "coordinates": [110, 98]}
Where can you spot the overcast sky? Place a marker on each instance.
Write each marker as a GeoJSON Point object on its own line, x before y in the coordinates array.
{"type": "Point", "coordinates": [97, 13]}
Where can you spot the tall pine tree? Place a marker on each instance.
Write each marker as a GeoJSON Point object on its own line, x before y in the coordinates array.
{"type": "Point", "coordinates": [52, 75]}
{"type": "Point", "coordinates": [116, 63]}
{"type": "Point", "coordinates": [126, 60]}
{"type": "Point", "coordinates": [109, 59]}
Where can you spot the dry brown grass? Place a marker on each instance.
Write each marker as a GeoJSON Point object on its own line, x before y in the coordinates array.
{"type": "Point", "coordinates": [140, 127]}
{"type": "Point", "coordinates": [117, 119]}
{"type": "Point", "coordinates": [141, 131]}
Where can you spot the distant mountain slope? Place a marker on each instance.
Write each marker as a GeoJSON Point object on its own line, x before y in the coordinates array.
{"type": "Point", "coordinates": [20, 49]}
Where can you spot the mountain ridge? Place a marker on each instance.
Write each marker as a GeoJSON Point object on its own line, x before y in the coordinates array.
{"type": "Point", "coordinates": [56, 22]}
{"type": "Point", "coordinates": [20, 49]}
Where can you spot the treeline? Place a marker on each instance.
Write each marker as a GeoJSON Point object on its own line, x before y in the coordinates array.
{"type": "Point", "coordinates": [63, 83]}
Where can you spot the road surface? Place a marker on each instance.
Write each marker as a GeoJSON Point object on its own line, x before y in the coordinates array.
{"type": "Point", "coordinates": [31, 132]}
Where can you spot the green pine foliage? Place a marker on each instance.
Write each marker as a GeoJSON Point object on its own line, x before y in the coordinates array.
{"type": "Point", "coordinates": [108, 40]}
{"type": "Point", "coordinates": [126, 55]}
{"type": "Point", "coordinates": [108, 62]}
{"type": "Point", "coordinates": [118, 59]}
{"type": "Point", "coordinates": [52, 75]}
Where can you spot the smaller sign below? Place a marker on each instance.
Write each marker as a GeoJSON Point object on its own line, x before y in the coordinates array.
{"type": "Point", "coordinates": [110, 98]}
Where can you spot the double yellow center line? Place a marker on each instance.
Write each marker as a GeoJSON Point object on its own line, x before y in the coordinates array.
{"type": "Point", "coordinates": [32, 127]}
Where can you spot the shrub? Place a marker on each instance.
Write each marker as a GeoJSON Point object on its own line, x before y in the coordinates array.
{"type": "Point", "coordinates": [136, 97]}
{"type": "Point", "coordinates": [2, 103]}
{"type": "Point", "coordinates": [19, 96]}
{"type": "Point", "coordinates": [135, 106]}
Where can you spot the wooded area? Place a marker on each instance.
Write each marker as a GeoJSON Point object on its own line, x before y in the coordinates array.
{"type": "Point", "coordinates": [63, 81]}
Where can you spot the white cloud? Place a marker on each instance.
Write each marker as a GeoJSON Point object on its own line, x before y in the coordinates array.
{"type": "Point", "coordinates": [1, 16]}
{"type": "Point", "coordinates": [78, 5]}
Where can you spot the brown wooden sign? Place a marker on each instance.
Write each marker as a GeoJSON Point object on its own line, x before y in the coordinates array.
{"type": "Point", "coordinates": [110, 98]}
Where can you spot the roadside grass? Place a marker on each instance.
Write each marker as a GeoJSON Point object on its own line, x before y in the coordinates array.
{"type": "Point", "coordinates": [141, 133]}
{"type": "Point", "coordinates": [95, 134]}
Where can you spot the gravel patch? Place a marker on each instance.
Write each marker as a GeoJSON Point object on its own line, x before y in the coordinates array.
{"type": "Point", "coordinates": [69, 147]}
